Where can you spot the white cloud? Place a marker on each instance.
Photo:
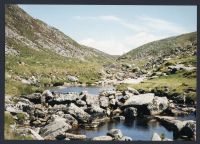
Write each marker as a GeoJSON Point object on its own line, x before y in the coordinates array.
{"type": "Point", "coordinates": [110, 46]}
{"type": "Point", "coordinates": [145, 29]}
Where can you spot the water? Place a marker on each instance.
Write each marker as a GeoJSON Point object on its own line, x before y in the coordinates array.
{"type": "Point", "coordinates": [138, 129]}
{"type": "Point", "coordinates": [95, 90]}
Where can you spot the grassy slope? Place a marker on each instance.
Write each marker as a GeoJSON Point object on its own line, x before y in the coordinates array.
{"type": "Point", "coordinates": [177, 83]}
{"type": "Point", "coordinates": [45, 64]}
{"type": "Point", "coordinates": [140, 55]}
{"type": "Point", "coordinates": [42, 64]}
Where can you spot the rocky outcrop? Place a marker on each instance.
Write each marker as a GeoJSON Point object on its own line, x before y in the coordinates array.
{"type": "Point", "coordinates": [116, 134]}
{"type": "Point", "coordinates": [78, 113]}
{"type": "Point", "coordinates": [181, 128]}
{"type": "Point", "coordinates": [147, 103]}
{"type": "Point", "coordinates": [55, 128]}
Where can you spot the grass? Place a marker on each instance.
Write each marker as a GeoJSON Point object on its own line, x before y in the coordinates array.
{"type": "Point", "coordinates": [45, 65]}
{"type": "Point", "coordinates": [9, 134]}
{"type": "Point", "coordinates": [176, 83]}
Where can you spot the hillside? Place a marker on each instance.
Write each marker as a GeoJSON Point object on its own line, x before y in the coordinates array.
{"type": "Point", "coordinates": [169, 65]}
{"type": "Point", "coordinates": [35, 49]}
{"type": "Point", "coordinates": [154, 53]}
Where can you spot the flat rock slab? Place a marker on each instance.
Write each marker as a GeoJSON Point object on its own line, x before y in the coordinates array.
{"type": "Point", "coordinates": [55, 128]}
{"type": "Point", "coordinates": [74, 136]}
{"type": "Point", "coordinates": [142, 99]}
{"type": "Point", "coordinates": [103, 138]}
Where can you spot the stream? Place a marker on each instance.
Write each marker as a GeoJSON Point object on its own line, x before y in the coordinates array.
{"type": "Point", "coordinates": [138, 129]}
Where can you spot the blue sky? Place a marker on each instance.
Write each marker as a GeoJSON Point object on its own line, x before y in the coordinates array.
{"type": "Point", "coordinates": [116, 29]}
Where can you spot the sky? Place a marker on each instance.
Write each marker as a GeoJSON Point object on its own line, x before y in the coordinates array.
{"type": "Point", "coordinates": [116, 29]}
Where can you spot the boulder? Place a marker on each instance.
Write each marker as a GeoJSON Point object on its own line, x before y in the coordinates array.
{"type": "Point", "coordinates": [78, 113]}
{"type": "Point", "coordinates": [107, 93]}
{"type": "Point", "coordinates": [35, 97]}
{"type": "Point", "coordinates": [46, 95]}
{"type": "Point", "coordinates": [113, 102]}
{"type": "Point", "coordinates": [55, 128]}
{"type": "Point", "coordinates": [156, 137]}
{"type": "Point", "coordinates": [147, 103]}
{"type": "Point", "coordinates": [116, 134]}
{"type": "Point", "coordinates": [133, 91]}
{"type": "Point", "coordinates": [130, 112]}
{"type": "Point", "coordinates": [104, 102]}
{"type": "Point", "coordinates": [142, 99]}
{"type": "Point", "coordinates": [12, 109]}
{"type": "Point", "coordinates": [70, 120]}
{"type": "Point", "coordinates": [189, 129]}
{"type": "Point", "coordinates": [91, 100]}
{"type": "Point", "coordinates": [65, 98]}
{"type": "Point", "coordinates": [80, 103]}
{"type": "Point", "coordinates": [119, 118]}
{"type": "Point", "coordinates": [75, 136]}
{"type": "Point", "coordinates": [36, 135]}
{"type": "Point", "coordinates": [158, 105]}
{"type": "Point", "coordinates": [103, 138]}
{"type": "Point", "coordinates": [72, 78]}
{"type": "Point", "coordinates": [116, 112]}
{"type": "Point", "coordinates": [96, 110]}
{"type": "Point", "coordinates": [126, 138]}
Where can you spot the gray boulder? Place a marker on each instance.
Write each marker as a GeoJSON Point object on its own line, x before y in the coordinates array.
{"type": "Point", "coordinates": [156, 137]}
{"type": "Point", "coordinates": [55, 128]}
{"type": "Point", "coordinates": [189, 129]}
{"type": "Point", "coordinates": [158, 105]}
{"type": "Point", "coordinates": [133, 91]}
{"type": "Point", "coordinates": [119, 118]}
{"type": "Point", "coordinates": [116, 134]}
{"type": "Point", "coordinates": [103, 138]}
{"type": "Point", "coordinates": [63, 98]}
{"type": "Point", "coordinates": [72, 78]}
{"type": "Point", "coordinates": [104, 102]}
{"type": "Point", "coordinates": [78, 113]}
{"type": "Point", "coordinates": [126, 138]}
{"type": "Point", "coordinates": [142, 99]}
{"type": "Point", "coordinates": [130, 112]}
{"type": "Point", "coordinates": [70, 120]}
{"type": "Point", "coordinates": [80, 102]}
{"type": "Point", "coordinates": [35, 97]}
{"type": "Point", "coordinates": [75, 136]}
{"type": "Point", "coordinates": [147, 103]}
{"type": "Point", "coordinates": [91, 100]}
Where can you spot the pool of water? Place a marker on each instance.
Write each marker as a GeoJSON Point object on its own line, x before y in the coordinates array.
{"type": "Point", "coordinates": [95, 90]}
{"type": "Point", "coordinates": [138, 129]}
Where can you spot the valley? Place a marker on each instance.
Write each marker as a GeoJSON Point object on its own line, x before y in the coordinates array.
{"type": "Point", "coordinates": [58, 89]}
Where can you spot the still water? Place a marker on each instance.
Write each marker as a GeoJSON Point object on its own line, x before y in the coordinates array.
{"type": "Point", "coordinates": [95, 90]}
{"type": "Point", "coordinates": [138, 129]}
